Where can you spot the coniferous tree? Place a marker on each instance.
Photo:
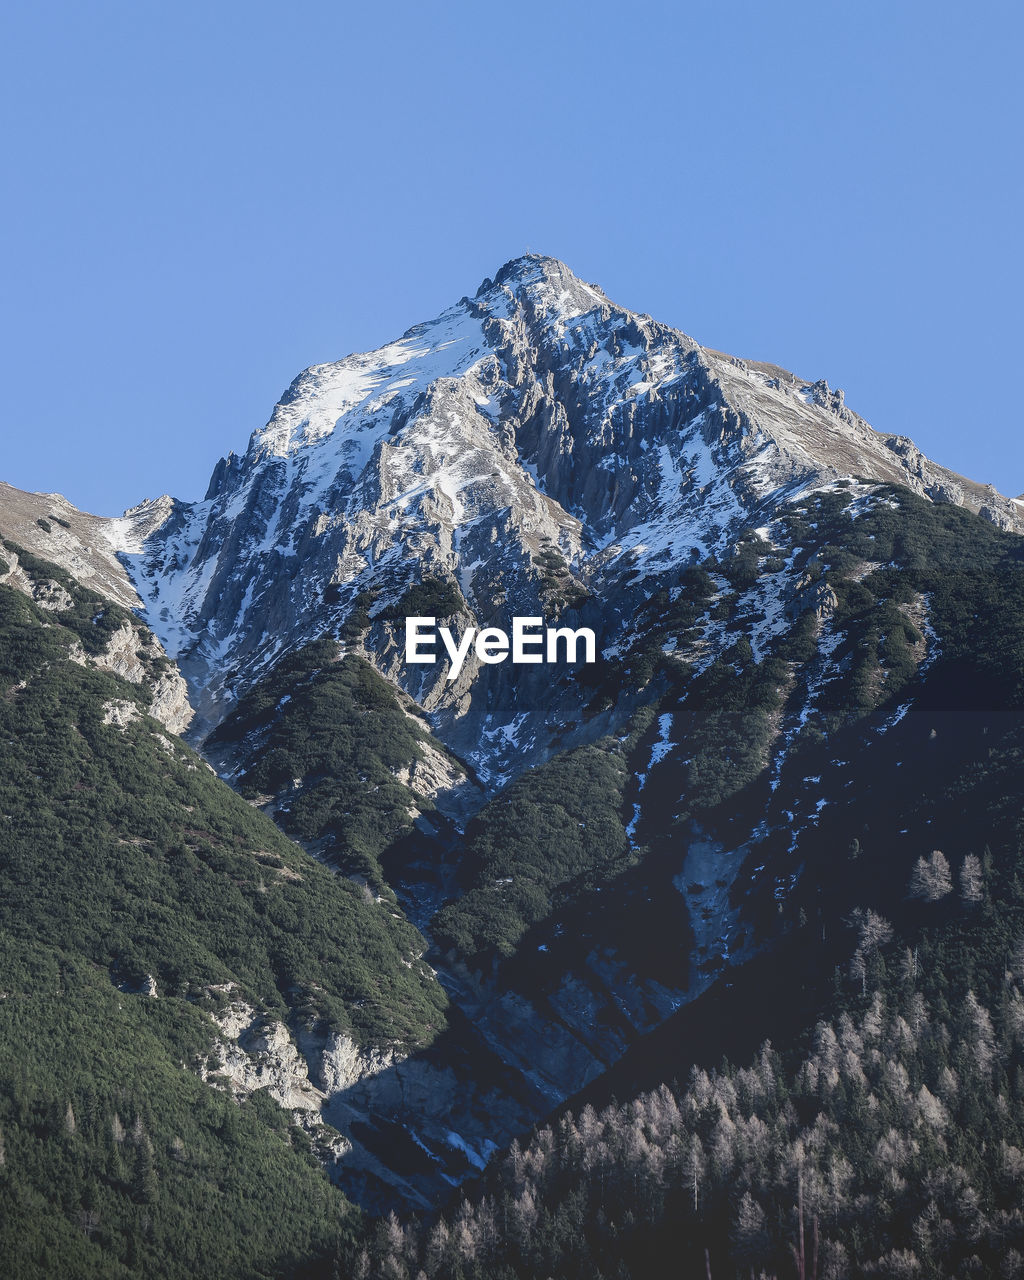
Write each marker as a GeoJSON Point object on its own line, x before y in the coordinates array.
{"type": "Point", "coordinates": [931, 878]}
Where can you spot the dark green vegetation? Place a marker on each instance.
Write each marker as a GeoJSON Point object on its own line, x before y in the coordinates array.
{"type": "Point", "coordinates": [889, 1117]}
{"type": "Point", "coordinates": [327, 737]}
{"type": "Point", "coordinates": [552, 835]}
{"type": "Point", "coordinates": [560, 591]}
{"type": "Point", "coordinates": [869, 582]}
{"type": "Point", "coordinates": [91, 618]}
{"type": "Point", "coordinates": [428, 598]}
{"type": "Point", "coordinates": [117, 1161]}
{"type": "Point", "coordinates": [163, 870]}
{"type": "Point", "coordinates": [124, 859]}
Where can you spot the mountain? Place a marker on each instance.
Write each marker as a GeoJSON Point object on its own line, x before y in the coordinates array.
{"type": "Point", "coordinates": [532, 447]}
{"type": "Point", "coordinates": [539, 451]}
{"type": "Point", "coordinates": [453, 907]}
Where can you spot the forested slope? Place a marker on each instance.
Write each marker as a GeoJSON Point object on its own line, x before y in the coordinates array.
{"type": "Point", "coordinates": [141, 897]}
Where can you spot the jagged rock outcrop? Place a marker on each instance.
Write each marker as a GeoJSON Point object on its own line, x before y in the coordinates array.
{"type": "Point", "coordinates": [342, 1063]}
{"type": "Point", "coordinates": [438, 779]}
{"type": "Point", "coordinates": [256, 1052]}
{"type": "Point", "coordinates": [51, 595]}
{"type": "Point", "coordinates": [134, 655]}
{"type": "Point", "coordinates": [119, 713]}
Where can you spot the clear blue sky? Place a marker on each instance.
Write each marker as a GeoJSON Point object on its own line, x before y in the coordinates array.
{"type": "Point", "coordinates": [204, 198]}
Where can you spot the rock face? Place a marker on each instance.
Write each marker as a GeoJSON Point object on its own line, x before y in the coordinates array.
{"type": "Point", "coordinates": [254, 1052]}
{"type": "Point", "coordinates": [119, 713]}
{"type": "Point", "coordinates": [131, 652]}
{"type": "Point", "coordinates": [50, 527]}
{"type": "Point", "coordinates": [538, 447]}
{"type": "Point", "coordinates": [437, 779]}
{"type": "Point", "coordinates": [332, 1087]}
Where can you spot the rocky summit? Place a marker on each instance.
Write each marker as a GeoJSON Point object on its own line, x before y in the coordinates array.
{"type": "Point", "coordinates": [538, 448]}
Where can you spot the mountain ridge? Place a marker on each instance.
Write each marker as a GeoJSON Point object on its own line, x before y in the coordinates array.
{"type": "Point", "coordinates": [532, 446]}
{"type": "Point", "coordinates": [537, 448]}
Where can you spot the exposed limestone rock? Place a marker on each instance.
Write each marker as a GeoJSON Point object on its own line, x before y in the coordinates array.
{"type": "Point", "coordinates": [121, 655]}
{"type": "Point", "coordinates": [124, 656]}
{"type": "Point", "coordinates": [15, 575]}
{"type": "Point", "coordinates": [330, 1146]}
{"type": "Point", "coordinates": [813, 594]}
{"type": "Point", "coordinates": [258, 1053]}
{"type": "Point", "coordinates": [119, 713]}
{"type": "Point", "coordinates": [343, 1063]}
{"type": "Point", "coordinates": [434, 776]}
{"type": "Point", "coordinates": [999, 516]}
{"type": "Point", "coordinates": [170, 703]}
{"type": "Point", "coordinates": [51, 595]}
{"type": "Point", "coordinates": [824, 601]}
{"type": "Point", "coordinates": [132, 652]}
{"type": "Point", "coordinates": [946, 492]}
{"type": "Point", "coordinates": [50, 527]}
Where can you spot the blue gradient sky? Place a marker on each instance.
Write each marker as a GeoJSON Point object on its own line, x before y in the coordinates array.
{"type": "Point", "coordinates": [205, 198]}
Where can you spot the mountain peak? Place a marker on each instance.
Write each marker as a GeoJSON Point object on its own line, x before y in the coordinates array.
{"type": "Point", "coordinates": [528, 265]}
{"type": "Point", "coordinates": [533, 445]}
{"type": "Point", "coordinates": [548, 281]}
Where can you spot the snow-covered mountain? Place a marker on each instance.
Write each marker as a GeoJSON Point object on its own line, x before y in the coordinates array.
{"type": "Point", "coordinates": [771, 735]}
{"type": "Point", "coordinates": [544, 449]}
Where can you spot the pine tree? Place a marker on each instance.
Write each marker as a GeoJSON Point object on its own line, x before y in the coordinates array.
{"type": "Point", "coordinates": [931, 878]}
{"type": "Point", "coordinates": [694, 1166]}
{"type": "Point", "coordinates": [750, 1232]}
{"type": "Point", "coordinates": [144, 1181]}
{"type": "Point", "coordinates": [971, 886]}
{"type": "Point", "coordinates": [979, 1036]}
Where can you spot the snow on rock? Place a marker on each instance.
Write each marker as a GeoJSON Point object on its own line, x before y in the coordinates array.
{"type": "Point", "coordinates": [47, 525]}
{"type": "Point", "coordinates": [130, 652]}
{"type": "Point", "coordinates": [537, 446]}
{"type": "Point", "coordinates": [664, 744]}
